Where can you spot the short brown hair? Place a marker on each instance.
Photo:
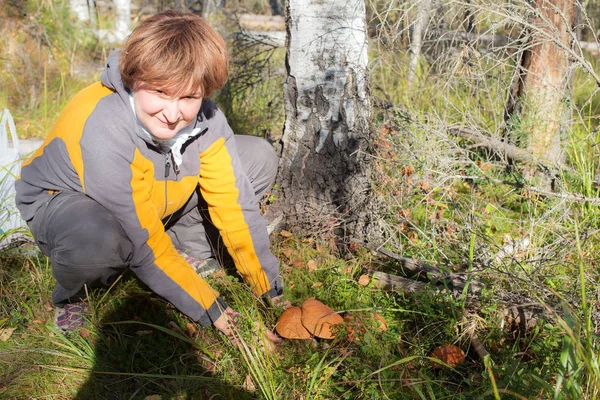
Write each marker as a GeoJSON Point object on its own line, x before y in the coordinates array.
{"type": "Point", "coordinates": [174, 52]}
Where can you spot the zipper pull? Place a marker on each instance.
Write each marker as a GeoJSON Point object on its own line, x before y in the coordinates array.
{"type": "Point", "coordinates": [167, 165]}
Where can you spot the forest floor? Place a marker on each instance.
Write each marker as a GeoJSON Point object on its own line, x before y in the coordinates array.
{"type": "Point", "coordinates": [500, 271]}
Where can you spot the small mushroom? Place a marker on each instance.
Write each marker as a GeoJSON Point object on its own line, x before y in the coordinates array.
{"type": "Point", "coordinates": [449, 354]}
{"type": "Point", "coordinates": [319, 318]}
{"type": "Point", "coordinates": [289, 325]}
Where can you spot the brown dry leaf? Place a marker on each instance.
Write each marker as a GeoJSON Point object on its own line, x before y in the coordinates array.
{"type": "Point", "coordinates": [317, 284]}
{"type": "Point", "coordinates": [424, 186]}
{"type": "Point", "coordinates": [348, 270]}
{"type": "Point", "coordinates": [413, 237]}
{"type": "Point", "coordinates": [249, 384]}
{"type": "Point", "coordinates": [286, 234]}
{"type": "Point", "coordinates": [408, 170]}
{"type": "Point", "coordinates": [298, 263]}
{"type": "Point", "coordinates": [382, 322]}
{"type": "Point", "coordinates": [85, 333]}
{"type": "Point", "coordinates": [153, 397]}
{"type": "Point", "coordinates": [191, 328]}
{"type": "Point", "coordinates": [288, 252]}
{"type": "Point", "coordinates": [449, 354]}
{"type": "Point", "coordinates": [6, 333]}
{"type": "Point", "coordinates": [405, 213]}
{"type": "Point", "coordinates": [364, 280]}
{"type": "Point", "coordinates": [311, 265]}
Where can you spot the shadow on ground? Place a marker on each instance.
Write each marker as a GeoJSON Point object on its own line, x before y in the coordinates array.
{"type": "Point", "coordinates": [134, 360]}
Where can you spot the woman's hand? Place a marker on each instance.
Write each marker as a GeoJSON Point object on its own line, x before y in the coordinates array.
{"type": "Point", "coordinates": [227, 322]}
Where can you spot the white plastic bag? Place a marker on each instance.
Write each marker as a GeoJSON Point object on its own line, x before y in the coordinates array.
{"type": "Point", "coordinates": [10, 167]}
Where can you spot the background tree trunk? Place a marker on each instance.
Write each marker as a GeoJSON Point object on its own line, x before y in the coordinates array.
{"type": "Point", "coordinates": [543, 80]}
{"type": "Point", "coordinates": [122, 19]}
{"type": "Point", "coordinates": [85, 10]}
{"type": "Point", "coordinates": [325, 169]}
{"type": "Point", "coordinates": [417, 40]}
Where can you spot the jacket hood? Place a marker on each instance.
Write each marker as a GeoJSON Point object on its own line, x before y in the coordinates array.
{"type": "Point", "coordinates": [111, 77]}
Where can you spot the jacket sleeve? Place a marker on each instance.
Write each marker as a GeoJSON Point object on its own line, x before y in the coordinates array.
{"type": "Point", "coordinates": [116, 176]}
{"type": "Point", "coordinates": [234, 211]}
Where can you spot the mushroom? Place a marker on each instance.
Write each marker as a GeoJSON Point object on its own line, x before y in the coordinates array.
{"type": "Point", "coordinates": [289, 325]}
{"type": "Point", "coordinates": [319, 318]}
{"type": "Point", "coordinates": [449, 354]}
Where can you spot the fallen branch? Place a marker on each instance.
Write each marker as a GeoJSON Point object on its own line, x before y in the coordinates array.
{"type": "Point", "coordinates": [519, 313]}
{"type": "Point", "coordinates": [505, 150]}
{"type": "Point", "coordinates": [419, 270]}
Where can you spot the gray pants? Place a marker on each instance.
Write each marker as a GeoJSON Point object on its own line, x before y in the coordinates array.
{"type": "Point", "coordinates": [88, 247]}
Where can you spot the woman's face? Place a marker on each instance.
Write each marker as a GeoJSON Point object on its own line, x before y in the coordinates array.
{"type": "Point", "coordinates": [164, 115]}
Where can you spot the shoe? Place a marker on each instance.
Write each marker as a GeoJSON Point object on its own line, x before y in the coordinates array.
{"type": "Point", "coordinates": [71, 317]}
{"type": "Point", "coordinates": [204, 268]}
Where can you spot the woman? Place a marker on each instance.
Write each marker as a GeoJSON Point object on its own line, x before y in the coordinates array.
{"type": "Point", "coordinates": [138, 166]}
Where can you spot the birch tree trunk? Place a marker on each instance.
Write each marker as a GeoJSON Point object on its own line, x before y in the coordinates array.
{"type": "Point", "coordinates": [85, 10]}
{"type": "Point", "coordinates": [122, 19]}
{"type": "Point", "coordinates": [325, 169]}
{"type": "Point", "coordinates": [417, 40]}
{"type": "Point", "coordinates": [542, 84]}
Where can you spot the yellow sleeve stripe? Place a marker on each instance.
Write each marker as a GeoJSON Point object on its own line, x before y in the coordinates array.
{"type": "Point", "coordinates": [69, 126]}
{"type": "Point", "coordinates": [218, 188]}
{"type": "Point", "coordinates": [167, 258]}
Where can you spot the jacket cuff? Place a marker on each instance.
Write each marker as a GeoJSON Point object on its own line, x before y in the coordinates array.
{"type": "Point", "coordinates": [276, 288]}
{"type": "Point", "coordinates": [213, 313]}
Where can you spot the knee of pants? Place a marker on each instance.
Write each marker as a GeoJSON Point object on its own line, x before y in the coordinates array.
{"type": "Point", "coordinates": [261, 165]}
{"type": "Point", "coordinates": [91, 238]}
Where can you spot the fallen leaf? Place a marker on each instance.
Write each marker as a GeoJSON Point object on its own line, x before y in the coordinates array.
{"type": "Point", "coordinates": [317, 284]}
{"type": "Point", "coordinates": [424, 186]}
{"type": "Point", "coordinates": [85, 333]}
{"type": "Point", "coordinates": [408, 170]}
{"type": "Point", "coordinates": [286, 234]}
{"type": "Point", "coordinates": [364, 280]}
{"type": "Point", "coordinates": [311, 265]}
{"type": "Point", "coordinates": [191, 328]}
{"type": "Point", "coordinates": [249, 384]}
{"type": "Point", "coordinates": [288, 252]}
{"type": "Point", "coordinates": [153, 397]}
{"type": "Point", "coordinates": [6, 333]}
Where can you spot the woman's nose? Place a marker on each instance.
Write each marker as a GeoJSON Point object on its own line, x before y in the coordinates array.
{"type": "Point", "coordinates": [171, 110]}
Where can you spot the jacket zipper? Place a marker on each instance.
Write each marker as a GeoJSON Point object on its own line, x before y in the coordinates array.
{"type": "Point", "coordinates": [167, 170]}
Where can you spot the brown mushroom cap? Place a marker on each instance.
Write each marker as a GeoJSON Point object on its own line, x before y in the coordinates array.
{"type": "Point", "coordinates": [319, 318]}
{"type": "Point", "coordinates": [289, 325]}
{"type": "Point", "coordinates": [448, 353]}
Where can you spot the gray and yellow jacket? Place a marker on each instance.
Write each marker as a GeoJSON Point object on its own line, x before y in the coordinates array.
{"type": "Point", "coordinates": [97, 148]}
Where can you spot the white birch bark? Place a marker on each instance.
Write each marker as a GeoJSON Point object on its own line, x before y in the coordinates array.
{"type": "Point", "coordinates": [85, 10]}
{"type": "Point", "coordinates": [122, 19]}
{"type": "Point", "coordinates": [325, 168]}
{"type": "Point", "coordinates": [417, 40]}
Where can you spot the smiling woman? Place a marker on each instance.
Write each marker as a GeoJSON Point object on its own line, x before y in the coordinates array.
{"type": "Point", "coordinates": [139, 167]}
{"type": "Point", "coordinates": [162, 115]}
